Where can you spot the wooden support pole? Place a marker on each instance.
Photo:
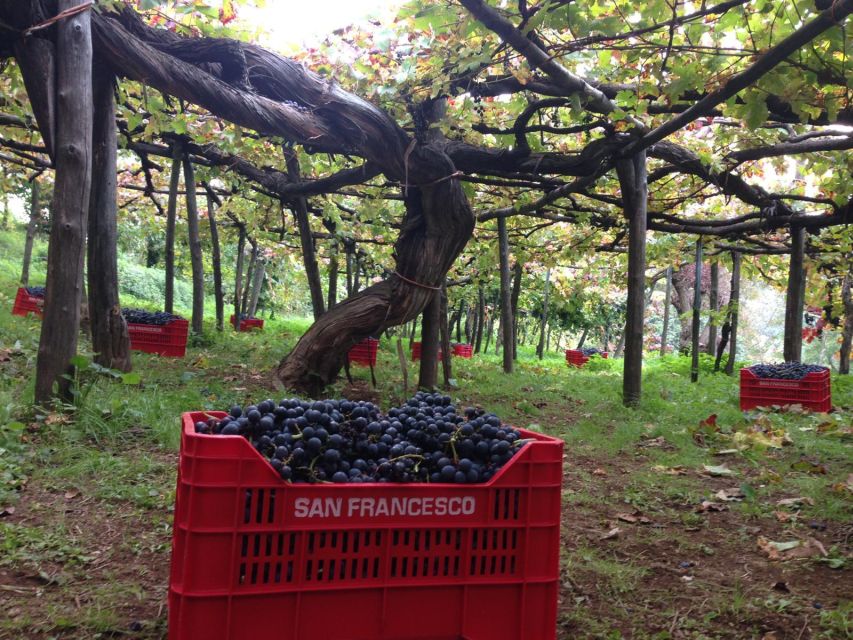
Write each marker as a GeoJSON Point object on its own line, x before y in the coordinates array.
{"type": "Point", "coordinates": [697, 310]}
{"type": "Point", "coordinates": [666, 306]}
{"type": "Point", "coordinates": [506, 297]}
{"type": "Point", "coordinates": [734, 302]}
{"type": "Point", "coordinates": [632, 180]}
{"type": "Point", "coordinates": [713, 303]}
{"type": "Point", "coordinates": [795, 300]}
{"type": "Point", "coordinates": [540, 349]}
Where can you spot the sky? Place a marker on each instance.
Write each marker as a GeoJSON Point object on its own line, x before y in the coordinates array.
{"type": "Point", "coordinates": [307, 22]}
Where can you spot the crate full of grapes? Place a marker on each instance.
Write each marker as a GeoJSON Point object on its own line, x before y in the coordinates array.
{"type": "Point", "coordinates": [248, 324]}
{"type": "Point", "coordinates": [579, 357]}
{"type": "Point", "coordinates": [157, 332]}
{"type": "Point", "coordinates": [767, 385]}
{"type": "Point", "coordinates": [331, 521]}
{"type": "Point", "coordinates": [28, 300]}
{"type": "Point", "coordinates": [364, 352]}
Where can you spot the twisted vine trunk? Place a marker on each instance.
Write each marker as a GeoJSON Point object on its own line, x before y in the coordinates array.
{"type": "Point", "coordinates": [847, 332]}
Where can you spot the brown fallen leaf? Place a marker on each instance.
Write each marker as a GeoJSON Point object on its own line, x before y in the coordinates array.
{"type": "Point", "coordinates": [707, 506]}
{"type": "Point", "coordinates": [678, 470]}
{"type": "Point", "coordinates": [633, 518]}
{"type": "Point", "coordinates": [794, 549]}
{"type": "Point", "coordinates": [70, 495]}
{"type": "Point", "coordinates": [730, 495]}
{"type": "Point", "coordinates": [599, 472]}
{"type": "Point", "coordinates": [795, 503]}
{"type": "Point", "coordinates": [660, 441]}
{"type": "Point", "coordinates": [610, 535]}
{"type": "Point", "coordinates": [784, 516]}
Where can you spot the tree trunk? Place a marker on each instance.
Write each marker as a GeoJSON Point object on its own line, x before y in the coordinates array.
{"type": "Point", "coordinates": [508, 334]}
{"type": "Point", "coordinates": [847, 332]}
{"type": "Point", "coordinates": [110, 339]}
{"type": "Point", "coordinates": [446, 369]}
{"type": "Point", "coordinates": [734, 303]}
{"type": "Point", "coordinates": [349, 252]}
{"type": "Point", "coordinates": [250, 278]}
{"type": "Point", "coordinates": [489, 331]}
{"type": "Point", "coordinates": [428, 376]}
{"type": "Point", "coordinates": [795, 300]}
{"type": "Point", "coordinates": [620, 346]}
{"type": "Point", "coordinates": [713, 306]}
{"type": "Point", "coordinates": [721, 348]}
{"type": "Point", "coordinates": [356, 279]}
{"type": "Point", "coordinates": [516, 293]}
{"type": "Point", "coordinates": [238, 280]}
{"type": "Point", "coordinates": [548, 338]}
{"type": "Point", "coordinates": [195, 247]}
{"type": "Point", "coordinates": [481, 319]}
{"type": "Point", "coordinates": [413, 333]}
{"type": "Point", "coordinates": [697, 310]}
{"type": "Point", "coordinates": [217, 263]}
{"type": "Point", "coordinates": [32, 227]}
{"type": "Point", "coordinates": [666, 306]}
{"type": "Point", "coordinates": [632, 181]}
{"type": "Point", "coordinates": [306, 239]}
{"type": "Point", "coordinates": [459, 312]}
{"type": "Point", "coordinates": [333, 277]}
{"type": "Point", "coordinates": [582, 339]}
{"type": "Point", "coordinates": [72, 183]}
{"type": "Point", "coordinates": [171, 218]}
{"type": "Point", "coordinates": [257, 284]}
{"type": "Point", "coordinates": [540, 350]}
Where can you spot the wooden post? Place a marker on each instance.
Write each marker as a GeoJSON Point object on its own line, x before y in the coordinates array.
{"type": "Point", "coordinates": [632, 180]}
{"type": "Point", "coordinates": [428, 375]}
{"type": "Point", "coordinates": [216, 257]}
{"type": "Point", "coordinates": [795, 300]}
{"type": "Point", "coordinates": [332, 293]}
{"type": "Point", "coordinates": [540, 349]}
{"type": "Point", "coordinates": [110, 339]}
{"type": "Point", "coordinates": [32, 227]}
{"type": "Point", "coordinates": [516, 293]}
{"type": "Point", "coordinates": [697, 310]}
{"type": "Point", "coordinates": [72, 183]}
{"type": "Point", "coordinates": [666, 306]}
{"type": "Point", "coordinates": [306, 239]}
{"type": "Point", "coordinates": [171, 217]}
{"type": "Point", "coordinates": [445, 337]}
{"type": "Point", "coordinates": [195, 247]}
{"type": "Point", "coordinates": [734, 302]}
{"type": "Point", "coordinates": [847, 331]}
{"type": "Point", "coordinates": [238, 280]}
{"type": "Point", "coordinates": [506, 296]}
{"type": "Point", "coordinates": [481, 319]}
{"type": "Point", "coordinates": [713, 304]}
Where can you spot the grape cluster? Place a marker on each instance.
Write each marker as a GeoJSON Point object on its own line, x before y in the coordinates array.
{"type": "Point", "coordinates": [591, 351]}
{"type": "Point", "coordinates": [785, 370]}
{"type": "Point", "coordinates": [141, 316]}
{"type": "Point", "coordinates": [36, 292]}
{"type": "Point", "coordinates": [342, 441]}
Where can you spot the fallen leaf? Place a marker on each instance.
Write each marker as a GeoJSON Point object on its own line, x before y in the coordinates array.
{"type": "Point", "coordinates": [792, 549]}
{"type": "Point", "coordinates": [70, 495]}
{"type": "Point", "coordinates": [613, 533]}
{"type": "Point", "coordinates": [707, 506]}
{"type": "Point", "coordinates": [730, 495]}
{"type": "Point", "coordinates": [636, 517]}
{"type": "Point", "coordinates": [726, 452]}
{"type": "Point", "coordinates": [660, 441]}
{"type": "Point", "coordinates": [627, 517]}
{"type": "Point", "coordinates": [677, 470]}
{"type": "Point", "coordinates": [809, 466]}
{"type": "Point", "coordinates": [599, 472]}
{"type": "Point", "coordinates": [718, 471]}
{"type": "Point", "coordinates": [784, 516]}
{"type": "Point", "coordinates": [796, 503]}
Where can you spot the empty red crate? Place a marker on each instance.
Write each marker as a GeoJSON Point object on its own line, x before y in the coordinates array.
{"type": "Point", "coordinates": [576, 358]}
{"type": "Point", "coordinates": [463, 350]}
{"type": "Point", "coordinates": [254, 557]}
{"type": "Point", "coordinates": [26, 304]}
{"type": "Point", "coordinates": [416, 351]}
{"type": "Point", "coordinates": [247, 324]}
{"type": "Point", "coordinates": [165, 340]}
{"type": "Point", "coordinates": [814, 391]}
{"type": "Point", "coordinates": [365, 352]}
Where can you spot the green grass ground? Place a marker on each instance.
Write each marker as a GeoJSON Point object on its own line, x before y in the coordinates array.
{"type": "Point", "coordinates": [86, 493]}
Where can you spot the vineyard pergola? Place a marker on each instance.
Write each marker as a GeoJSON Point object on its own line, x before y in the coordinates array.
{"type": "Point", "coordinates": [624, 122]}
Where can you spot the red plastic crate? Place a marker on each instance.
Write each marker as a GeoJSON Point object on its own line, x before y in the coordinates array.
{"type": "Point", "coordinates": [26, 304]}
{"type": "Point", "coordinates": [247, 324]}
{"type": "Point", "coordinates": [165, 340]}
{"type": "Point", "coordinates": [463, 350]}
{"type": "Point", "coordinates": [576, 358]}
{"type": "Point", "coordinates": [814, 391]}
{"type": "Point", "coordinates": [416, 351]}
{"type": "Point", "coordinates": [365, 352]}
{"type": "Point", "coordinates": [256, 558]}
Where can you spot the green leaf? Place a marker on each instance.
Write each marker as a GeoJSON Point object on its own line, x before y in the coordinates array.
{"type": "Point", "coordinates": [80, 362]}
{"type": "Point", "coordinates": [132, 378]}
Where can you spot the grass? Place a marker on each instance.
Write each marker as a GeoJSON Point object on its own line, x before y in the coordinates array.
{"type": "Point", "coordinates": [93, 485]}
